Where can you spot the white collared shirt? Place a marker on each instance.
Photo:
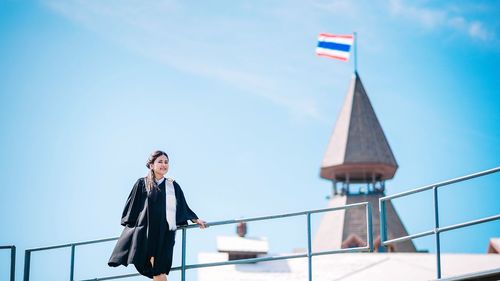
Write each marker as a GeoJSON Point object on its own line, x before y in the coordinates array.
{"type": "Point", "coordinates": [158, 182]}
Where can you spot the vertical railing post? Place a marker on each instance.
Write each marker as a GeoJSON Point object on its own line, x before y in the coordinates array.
{"type": "Point", "coordinates": [383, 225]}
{"type": "Point", "coordinates": [309, 250]}
{"type": "Point", "coordinates": [369, 236]}
{"type": "Point", "coordinates": [72, 264]}
{"type": "Point", "coordinates": [183, 260]}
{"type": "Point", "coordinates": [436, 221]}
{"type": "Point", "coordinates": [13, 263]}
{"type": "Point", "coordinates": [27, 260]}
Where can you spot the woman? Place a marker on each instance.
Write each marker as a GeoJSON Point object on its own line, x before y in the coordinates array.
{"type": "Point", "coordinates": [154, 209]}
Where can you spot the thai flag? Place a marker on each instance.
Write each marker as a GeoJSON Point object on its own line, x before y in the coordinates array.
{"type": "Point", "coordinates": [334, 46]}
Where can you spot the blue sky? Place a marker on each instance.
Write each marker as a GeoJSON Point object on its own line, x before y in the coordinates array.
{"type": "Point", "coordinates": [234, 93]}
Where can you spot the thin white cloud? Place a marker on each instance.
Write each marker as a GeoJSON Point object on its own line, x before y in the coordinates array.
{"type": "Point", "coordinates": [341, 7]}
{"type": "Point", "coordinates": [433, 18]}
{"type": "Point", "coordinates": [147, 28]}
{"type": "Point", "coordinates": [477, 30]}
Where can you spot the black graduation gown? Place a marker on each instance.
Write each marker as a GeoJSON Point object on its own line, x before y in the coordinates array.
{"type": "Point", "coordinates": [144, 212]}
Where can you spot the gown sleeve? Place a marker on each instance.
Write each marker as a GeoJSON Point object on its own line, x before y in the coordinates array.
{"type": "Point", "coordinates": [183, 212]}
{"type": "Point", "coordinates": [132, 210]}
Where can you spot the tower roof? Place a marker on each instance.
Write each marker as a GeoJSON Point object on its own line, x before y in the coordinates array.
{"type": "Point", "coordinates": [358, 149]}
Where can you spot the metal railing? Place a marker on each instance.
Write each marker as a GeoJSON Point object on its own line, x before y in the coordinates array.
{"type": "Point", "coordinates": [309, 254]}
{"type": "Point", "coordinates": [12, 260]}
{"type": "Point", "coordinates": [27, 255]}
{"type": "Point", "coordinates": [437, 229]}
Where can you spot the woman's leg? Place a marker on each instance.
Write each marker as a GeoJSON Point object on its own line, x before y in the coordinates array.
{"type": "Point", "coordinates": [161, 277]}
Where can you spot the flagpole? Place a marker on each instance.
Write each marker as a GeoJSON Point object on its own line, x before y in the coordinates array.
{"type": "Point", "coordinates": [355, 35]}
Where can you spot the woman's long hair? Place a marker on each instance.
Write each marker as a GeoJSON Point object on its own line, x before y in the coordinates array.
{"type": "Point", "coordinates": [150, 178]}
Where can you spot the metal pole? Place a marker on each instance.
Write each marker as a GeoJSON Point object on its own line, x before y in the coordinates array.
{"type": "Point", "coordinates": [383, 226]}
{"type": "Point", "coordinates": [13, 263]}
{"type": "Point", "coordinates": [436, 220]}
{"type": "Point", "coordinates": [72, 265]}
{"type": "Point", "coordinates": [27, 260]}
{"type": "Point", "coordinates": [369, 233]}
{"type": "Point", "coordinates": [183, 264]}
{"type": "Point", "coordinates": [355, 52]}
{"type": "Point", "coordinates": [309, 250]}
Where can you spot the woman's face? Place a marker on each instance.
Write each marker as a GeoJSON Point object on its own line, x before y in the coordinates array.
{"type": "Point", "coordinates": [160, 166]}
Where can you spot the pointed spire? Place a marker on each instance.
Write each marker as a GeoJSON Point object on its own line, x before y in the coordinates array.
{"type": "Point", "coordinates": [358, 150]}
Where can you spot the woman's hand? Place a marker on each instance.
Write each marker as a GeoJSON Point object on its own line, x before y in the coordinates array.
{"type": "Point", "coordinates": [200, 222]}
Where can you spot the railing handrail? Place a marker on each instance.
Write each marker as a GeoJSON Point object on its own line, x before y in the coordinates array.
{"type": "Point", "coordinates": [309, 254]}
{"type": "Point", "coordinates": [12, 260]}
{"type": "Point", "coordinates": [437, 229]}
{"type": "Point", "coordinates": [72, 244]}
{"type": "Point", "coordinates": [208, 224]}
{"type": "Point", "coordinates": [439, 184]}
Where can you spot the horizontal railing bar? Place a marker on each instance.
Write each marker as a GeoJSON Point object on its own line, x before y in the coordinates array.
{"type": "Point", "coordinates": [469, 223]}
{"type": "Point", "coordinates": [49, 248]}
{"type": "Point", "coordinates": [211, 224]}
{"type": "Point", "coordinates": [95, 241]}
{"type": "Point", "coordinates": [340, 251]}
{"type": "Point", "coordinates": [277, 216]}
{"type": "Point", "coordinates": [213, 264]}
{"type": "Point", "coordinates": [113, 277]}
{"type": "Point", "coordinates": [439, 184]}
{"type": "Point", "coordinates": [72, 244]}
{"type": "Point", "coordinates": [409, 237]}
{"type": "Point", "coordinates": [273, 258]}
{"type": "Point", "coordinates": [243, 261]}
{"type": "Point", "coordinates": [7, 247]}
{"type": "Point", "coordinates": [441, 229]}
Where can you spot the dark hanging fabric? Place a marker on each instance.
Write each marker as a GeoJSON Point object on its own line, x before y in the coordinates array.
{"type": "Point", "coordinates": [146, 231]}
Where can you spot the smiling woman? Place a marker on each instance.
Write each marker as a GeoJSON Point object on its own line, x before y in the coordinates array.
{"type": "Point", "coordinates": [154, 209]}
